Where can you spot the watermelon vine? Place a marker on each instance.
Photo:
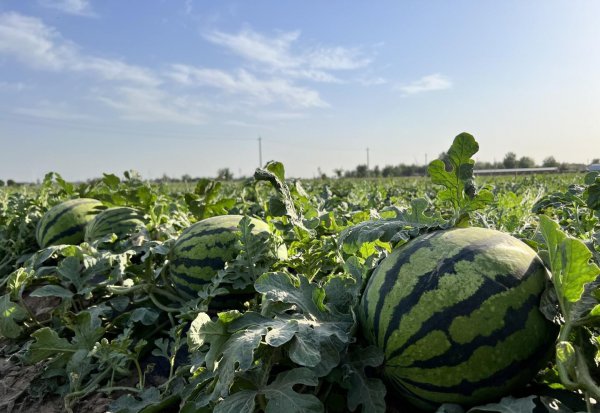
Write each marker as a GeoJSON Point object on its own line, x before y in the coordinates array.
{"type": "Point", "coordinates": [280, 295]}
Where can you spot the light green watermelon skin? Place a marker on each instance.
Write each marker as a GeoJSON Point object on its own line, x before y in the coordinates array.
{"type": "Point", "coordinates": [204, 248]}
{"type": "Point", "coordinates": [122, 221]}
{"type": "Point", "coordinates": [65, 223]}
{"type": "Point", "coordinates": [457, 316]}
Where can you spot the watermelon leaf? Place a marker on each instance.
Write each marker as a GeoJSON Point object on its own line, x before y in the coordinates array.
{"type": "Point", "coordinates": [457, 179]}
{"type": "Point", "coordinates": [130, 404]}
{"type": "Point", "coordinates": [205, 331]}
{"type": "Point", "coordinates": [508, 405]}
{"type": "Point", "coordinates": [10, 315]}
{"type": "Point", "coordinates": [285, 288]}
{"type": "Point", "coordinates": [274, 173]}
{"type": "Point", "coordinates": [363, 390]}
{"type": "Point", "coordinates": [592, 192]}
{"type": "Point", "coordinates": [48, 344]}
{"type": "Point", "coordinates": [407, 224]}
{"type": "Point", "coordinates": [239, 402]}
{"type": "Point", "coordinates": [51, 290]}
{"type": "Point", "coordinates": [205, 201]}
{"type": "Point", "coordinates": [283, 399]}
{"type": "Point", "coordinates": [571, 268]}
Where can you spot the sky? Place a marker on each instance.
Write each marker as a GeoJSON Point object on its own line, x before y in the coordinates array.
{"type": "Point", "coordinates": [189, 86]}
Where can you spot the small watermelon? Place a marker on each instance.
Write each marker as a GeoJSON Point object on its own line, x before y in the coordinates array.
{"type": "Point", "coordinates": [65, 223]}
{"type": "Point", "coordinates": [122, 221]}
{"type": "Point", "coordinates": [204, 248]}
{"type": "Point", "coordinates": [457, 316]}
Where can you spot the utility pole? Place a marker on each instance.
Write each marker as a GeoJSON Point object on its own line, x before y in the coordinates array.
{"type": "Point", "coordinates": [367, 159]}
{"type": "Point", "coordinates": [260, 164]}
{"type": "Point", "coordinates": [425, 159]}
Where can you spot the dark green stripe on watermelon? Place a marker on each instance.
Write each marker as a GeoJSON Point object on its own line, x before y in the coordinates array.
{"type": "Point", "coordinates": [66, 234]}
{"type": "Point", "coordinates": [204, 248]}
{"type": "Point", "coordinates": [65, 223]}
{"type": "Point", "coordinates": [122, 221]}
{"type": "Point", "coordinates": [456, 315]}
{"type": "Point", "coordinates": [52, 216]}
{"type": "Point", "coordinates": [187, 239]}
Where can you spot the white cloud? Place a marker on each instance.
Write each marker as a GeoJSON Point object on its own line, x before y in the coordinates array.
{"type": "Point", "coordinates": [253, 46]}
{"type": "Point", "coordinates": [75, 7]}
{"type": "Point", "coordinates": [111, 69]}
{"type": "Point", "coordinates": [275, 53]}
{"type": "Point", "coordinates": [35, 44]}
{"type": "Point", "coordinates": [264, 91]}
{"type": "Point", "coordinates": [154, 105]}
{"type": "Point", "coordinates": [426, 84]}
{"type": "Point", "coordinates": [372, 81]}
{"type": "Point", "coordinates": [336, 58]}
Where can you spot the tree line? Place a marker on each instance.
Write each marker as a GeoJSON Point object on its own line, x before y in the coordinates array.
{"type": "Point", "coordinates": [510, 161]}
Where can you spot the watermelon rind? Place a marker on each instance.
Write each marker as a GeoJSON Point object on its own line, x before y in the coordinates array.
{"type": "Point", "coordinates": [203, 249]}
{"type": "Point", "coordinates": [456, 313]}
{"type": "Point", "coordinates": [122, 221]}
{"type": "Point", "coordinates": [65, 223]}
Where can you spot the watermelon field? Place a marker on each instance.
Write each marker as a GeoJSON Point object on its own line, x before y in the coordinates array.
{"type": "Point", "coordinates": [448, 293]}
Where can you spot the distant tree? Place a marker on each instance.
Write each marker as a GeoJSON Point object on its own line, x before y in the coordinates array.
{"type": "Point", "coordinates": [376, 171]}
{"type": "Point", "coordinates": [596, 160]}
{"type": "Point", "coordinates": [338, 172]}
{"type": "Point", "coordinates": [484, 165]}
{"type": "Point", "coordinates": [10, 182]}
{"type": "Point", "coordinates": [224, 174]}
{"type": "Point", "coordinates": [510, 160]}
{"type": "Point", "coordinates": [1, 182]}
{"type": "Point", "coordinates": [387, 170]}
{"type": "Point", "coordinates": [549, 162]}
{"type": "Point", "coordinates": [526, 162]}
{"type": "Point", "coordinates": [362, 171]}
{"type": "Point", "coordinates": [186, 178]}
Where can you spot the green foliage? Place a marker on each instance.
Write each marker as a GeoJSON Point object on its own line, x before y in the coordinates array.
{"type": "Point", "coordinates": [460, 191]}
{"type": "Point", "coordinates": [96, 321]}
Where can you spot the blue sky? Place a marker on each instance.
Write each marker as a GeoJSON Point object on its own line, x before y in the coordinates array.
{"type": "Point", "coordinates": [188, 86]}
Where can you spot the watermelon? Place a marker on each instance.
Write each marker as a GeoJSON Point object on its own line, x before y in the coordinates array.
{"type": "Point", "coordinates": [65, 223]}
{"type": "Point", "coordinates": [204, 248]}
{"type": "Point", "coordinates": [456, 314]}
{"type": "Point", "coordinates": [122, 221]}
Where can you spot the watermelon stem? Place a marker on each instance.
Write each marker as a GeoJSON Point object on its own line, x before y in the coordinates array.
{"type": "Point", "coordinates": [168, 295]}
{"type": "Point", "coordinates": [162, 306]}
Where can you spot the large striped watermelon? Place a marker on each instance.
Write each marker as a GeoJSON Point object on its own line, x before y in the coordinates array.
{"type": "Point", "coordinates": [204, 248]}
{"type": "Point", "coordinates": [122, 221]}
{"type": "Point", "coordinates": [457, 316]}
{"type": "Point", "coordinates": [65, 223]}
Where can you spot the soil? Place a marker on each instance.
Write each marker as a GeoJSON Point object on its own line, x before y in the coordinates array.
{"type": "Point", "coordinates": [15, 380]}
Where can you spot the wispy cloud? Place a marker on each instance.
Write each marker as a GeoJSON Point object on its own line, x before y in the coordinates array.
{"type": "Point", "coordinates": [277, 53]}
{"type": "Point", "coordinates": [244, 83]}
{"type": "Point", "coordinates": [153, 105]}
{"type": "Point", "coordinates": [35, 44]}
{"type": "Point", "coordinates": [372, 81]}
{"type": "Point", "coordinates": [275, 73]}
{"type": "Point", "coordinates": [426, 84]}
{"type": "Point", "coordinates": [274, 52]}
{"type": "Point", "coordinates": [75, 7]}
